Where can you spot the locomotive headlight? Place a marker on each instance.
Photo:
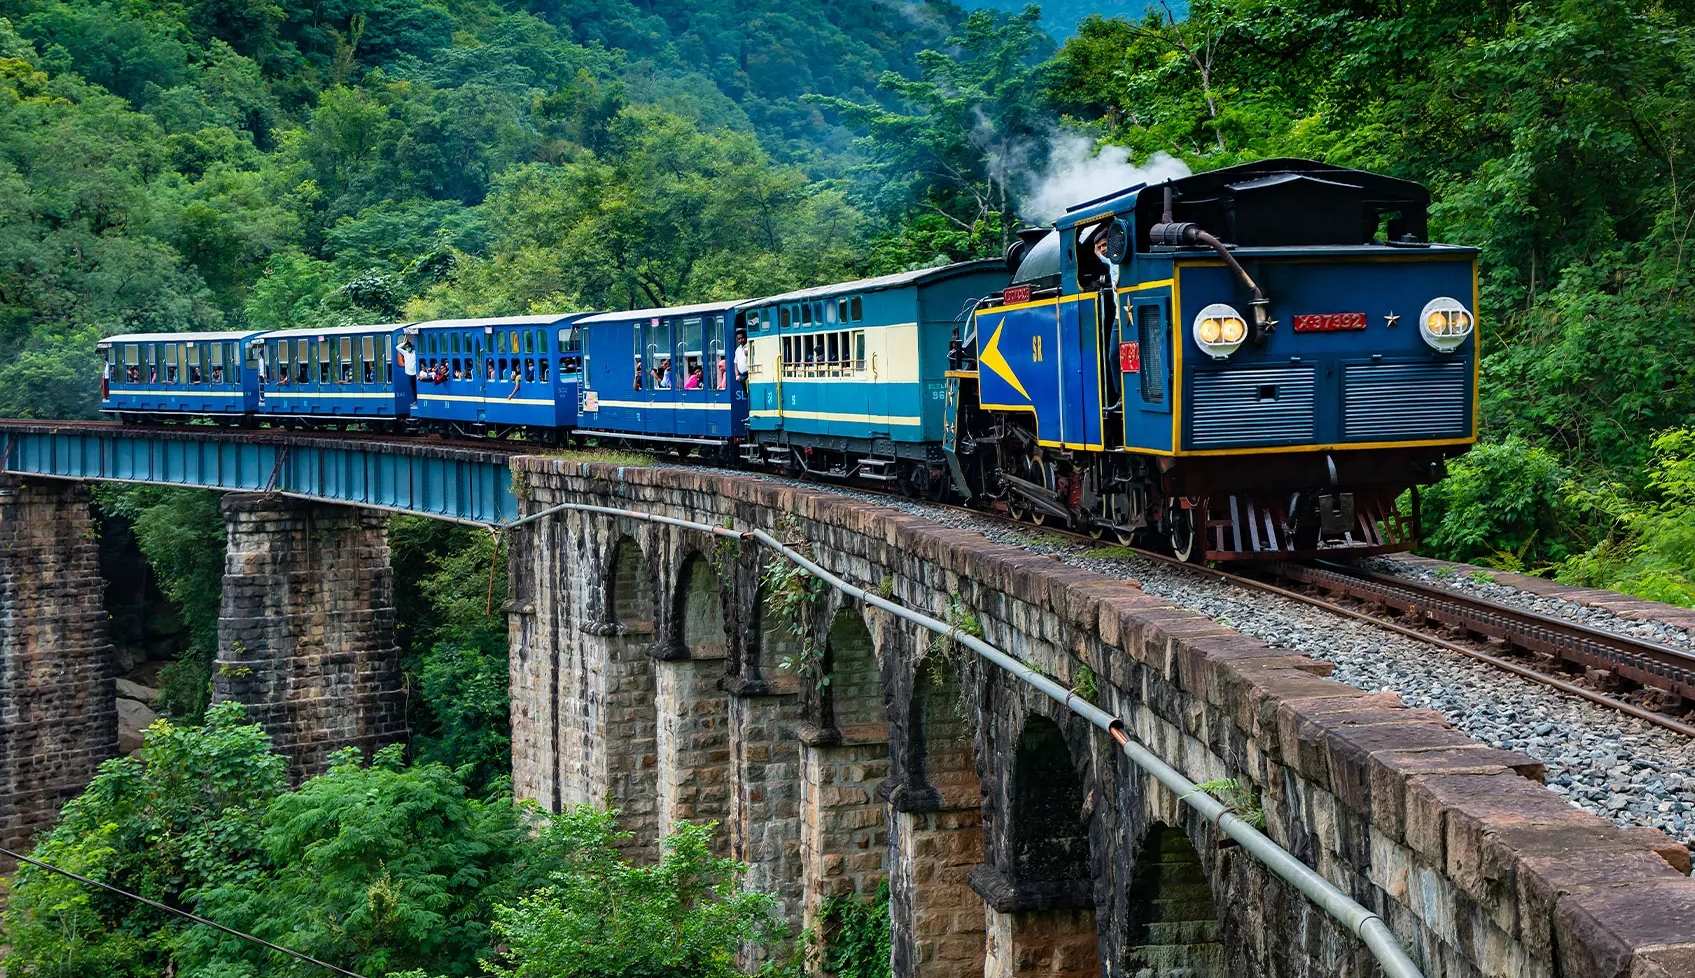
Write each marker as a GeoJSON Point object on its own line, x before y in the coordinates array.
{"type": "Point", "coordinates": [1219, 330]}
{"type": "Point", "coordinates": [1445, 323]}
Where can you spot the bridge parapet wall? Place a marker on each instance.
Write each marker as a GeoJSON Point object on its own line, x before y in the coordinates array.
{"type": "Point", "coordinates": [1016, 839]}
{"type": "Point", "coordinates": [58, 703]}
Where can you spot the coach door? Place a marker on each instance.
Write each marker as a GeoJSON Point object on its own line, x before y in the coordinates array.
{"type": "Point", "coordinates": [1144, 361]}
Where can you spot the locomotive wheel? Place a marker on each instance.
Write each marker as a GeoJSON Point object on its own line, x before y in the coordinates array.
{"type": "Point", "coordinates": [1019, 509]}
{"type": "Point", "coordinates": [1180, 533]}
{"type": "Point", "coordinates": [1126, 538]}
{"type": "Point", "coordinates": [1040, 517]}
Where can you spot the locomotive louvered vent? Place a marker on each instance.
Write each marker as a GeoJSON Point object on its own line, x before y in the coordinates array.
{"type": "Point", "coordinates": [1400, 400]}
{"type": "Point", "coordinates": [1250, 406]}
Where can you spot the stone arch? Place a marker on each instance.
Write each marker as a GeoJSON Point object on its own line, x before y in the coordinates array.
{"type": "Point", "coordinates": [693, 739]}
{"type": "Point", "coordinates": [854, 704]}
{"type": "Point", "coordinates": [1173, 924]}
{"type": "Point", "coordinates": [1049, 832]}
{"type": "Point", "coordinates": [697, 610]}
{"type": "Point", "coordinates": [772, 640]}
{"type": "Point", "coordinates": [629, 588]}
{"type": "Point", "coordinates": [627, 724]}
{"type": "Point", "coordinates": [940, 756]}
{"type": "Point", "coordinates": [844, 762]}
{"type": "Point", "coordinates": [936, 826]}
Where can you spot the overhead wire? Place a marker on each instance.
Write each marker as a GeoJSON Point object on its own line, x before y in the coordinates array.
{"type": "Point", "coordinates": [155, 904]}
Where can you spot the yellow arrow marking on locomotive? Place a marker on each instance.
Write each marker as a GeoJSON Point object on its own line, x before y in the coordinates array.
{"type": "Point", "coordinates": [992, 358]}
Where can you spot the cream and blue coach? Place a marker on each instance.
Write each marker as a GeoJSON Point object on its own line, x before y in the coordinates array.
{"type": "Point", "coordinates": [848, 380]}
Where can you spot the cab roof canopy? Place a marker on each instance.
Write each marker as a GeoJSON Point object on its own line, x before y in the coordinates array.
{"type": "Point", "coordinates": [1276, 203]}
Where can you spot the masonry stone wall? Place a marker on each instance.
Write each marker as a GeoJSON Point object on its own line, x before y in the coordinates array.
{"type": "Point", "coordinates": [306, 629]}
{"type": "Point", "coordinates": [58, 707]}
{"type": "Point", "coordinates": [1016, 838]}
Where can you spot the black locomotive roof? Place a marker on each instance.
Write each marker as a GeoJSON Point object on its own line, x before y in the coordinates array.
{"type": "Point", "coordinates": [1280, 203]}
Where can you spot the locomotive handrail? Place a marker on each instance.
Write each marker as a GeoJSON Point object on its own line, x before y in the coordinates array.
{"type": "Point", "coordinates": [1359, 920]}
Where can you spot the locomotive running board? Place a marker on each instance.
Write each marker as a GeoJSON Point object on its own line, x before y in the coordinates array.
{"type": "Point", "coordinates": [1258, 529]}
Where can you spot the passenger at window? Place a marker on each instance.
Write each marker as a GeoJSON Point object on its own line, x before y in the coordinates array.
{"type": "Point", "coordinates": [695, 378]}
{"type": "Point", "coordinates": [663, 374]}
{"type": "Point", "coordinates": [742, 362]}
{"type": "Point", "coordinates": [133, 374]}
{"type": "Point", "coordinates": [217, 374]}
{"type": "Point", "coordinates": [458, 374]}
{"type": "Point", "coordinates": [194, 374]}
{"type": "Point", "coordinates": [638, 383]}
{"type": "Point", "coordinates": [517, 379]}
{"type": "Point", "coordinates": [370, 372]}
{"type": "Point", "coordinates": [1110, 266]}
{"type": "Point", "coordinates": [718, 381]}
{"type": "Point", "coordinates": [407, 356]}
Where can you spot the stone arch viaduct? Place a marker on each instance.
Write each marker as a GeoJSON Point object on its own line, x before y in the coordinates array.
{"type": "Point", "coordinates": [675, 676]}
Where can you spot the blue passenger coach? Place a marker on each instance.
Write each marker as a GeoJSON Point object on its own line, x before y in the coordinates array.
{"type": "Point", "coordinates": [150, 376]}
{"type": "Point", "coordinates": [333, 376]}
{"type": "Point", "coordinates": [848, 380]}
{"type": "Point", "coordinates": [497, 376]}
{"type": "Point", "coordinates": [662, 375]}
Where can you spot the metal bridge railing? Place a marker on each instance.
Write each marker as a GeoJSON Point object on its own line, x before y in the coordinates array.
{"type": "Point", "coordinates": [1361, 922]}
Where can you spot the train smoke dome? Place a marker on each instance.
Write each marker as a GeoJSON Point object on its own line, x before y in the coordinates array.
{"type": "Point", "coordinates": [1075, 172]}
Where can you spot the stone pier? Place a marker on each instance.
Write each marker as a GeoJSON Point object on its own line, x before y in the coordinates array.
{"type": "Point", "coordinates": [58, 709]}
{"type": "Point", "coordinates": [306, 634]}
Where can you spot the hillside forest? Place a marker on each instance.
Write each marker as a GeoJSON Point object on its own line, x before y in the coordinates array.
{"type": "Point", "coordinates": [200, 164]}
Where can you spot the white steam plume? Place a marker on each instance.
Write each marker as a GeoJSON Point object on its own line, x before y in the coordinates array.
{"type": "Point", "coordinates": [1075, 173]}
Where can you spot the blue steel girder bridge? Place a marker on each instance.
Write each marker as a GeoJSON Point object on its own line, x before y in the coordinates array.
{"type": "Point", "coordinates": [400, 474]}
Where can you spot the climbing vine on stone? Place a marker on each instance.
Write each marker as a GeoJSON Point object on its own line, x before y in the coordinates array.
{"type": "Point", "coordinates": [791, 595]}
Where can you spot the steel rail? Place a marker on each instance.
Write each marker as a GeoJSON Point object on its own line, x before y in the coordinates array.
{"type": "Point", "coordinates": [1639, 660]}
{"type": "Point", "coordinates": [1360, 921]}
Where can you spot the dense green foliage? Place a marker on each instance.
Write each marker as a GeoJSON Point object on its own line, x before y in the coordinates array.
{"type": "Point", "coordinates": [450, 584]}
{"type": "Point", "coordinates": [377, 868]}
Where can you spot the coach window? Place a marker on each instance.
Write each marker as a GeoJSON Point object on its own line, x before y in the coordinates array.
{"type": "Point", "coordinates": [529, 368]}
{"type": "Point", "coordinates": [347, 359]}
{"type": "Point", "coordinates": [690, 347]}
{"type": "Point", "coordinates": [170, 363]}
{"type": "Point", "coordinates": [859, 349]}
{"type": "Point", "coordinates": [806, 314]}
{"type": "Point", "coordinates": [388, 359]}
{"type": "Point", "coordinates": [830, 313]}
{"type": "Point", "coordinates": [541, 369]}
{"type": "Point", "coordinates": [368, 359]}
{"type": "Point", "coordinates": [856, 306]}
{"type": "Point", "coordinates": [833, 353]}
{"type": "Point", "coordinates": [215, 365]}
{"type": "Point", "coordinates": [191, 363]}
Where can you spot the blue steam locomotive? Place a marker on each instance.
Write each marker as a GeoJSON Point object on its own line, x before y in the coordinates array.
{"type": "Point", "coordinates": [1257, 361]}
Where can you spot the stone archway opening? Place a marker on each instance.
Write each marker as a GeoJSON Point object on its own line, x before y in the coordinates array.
{"type": "Point", "coordinates": [693, 744]}
{"type": "Point", "coordinates": [1041, 921]}
{"type": "Point", "coordinates": [854, 691]}
{"type": "Point", "coordinates": [1049, 835]}
{"type": "Point", "coordinates": [627, 720]}
{"type": "Point", "coordinates": [1174, 930]}
{"type": "Point", "coordinates": [844, 839]}
{"type": "Point", "coordinates": [629, 597]}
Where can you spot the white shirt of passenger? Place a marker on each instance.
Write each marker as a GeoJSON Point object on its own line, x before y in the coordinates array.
{"type": "Point", "coordinates": [741, 361]}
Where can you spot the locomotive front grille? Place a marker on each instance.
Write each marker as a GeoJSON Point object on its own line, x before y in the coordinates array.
{"type": "Point", "coordinates": [1252, 405]}
{"type": "Point", "coordinates": [1406, 400]}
